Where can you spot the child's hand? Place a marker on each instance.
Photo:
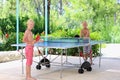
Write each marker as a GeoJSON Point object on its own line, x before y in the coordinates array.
{"type": "Point", "coordinates": [33, 42]}
{"type": "Point", "coordinates": [37, 38]}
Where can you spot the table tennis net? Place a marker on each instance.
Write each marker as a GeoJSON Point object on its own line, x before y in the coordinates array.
{"type": "Point", "coordinates": [66, 40]}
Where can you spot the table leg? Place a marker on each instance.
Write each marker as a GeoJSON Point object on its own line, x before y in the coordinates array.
{"type": "Point", "coordinates": [79, 55]}
{"type": "Point", "coordinates": [61, 64]}
{"type": "Point", "coordinates": [100, 56]}
{"type": "Point", "coordinates": [22, 61]}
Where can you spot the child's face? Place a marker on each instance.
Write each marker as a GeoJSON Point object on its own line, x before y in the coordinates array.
{"type": "Point", "coordinates": [84, 25]}
{"type": "Point", "coordinates": [30, 25]}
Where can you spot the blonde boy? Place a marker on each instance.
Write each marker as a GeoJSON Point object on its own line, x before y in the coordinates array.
{"type": "Point", "coordinates": [85, 34]}
{"type": "Point", "coordinates": [28, 39]}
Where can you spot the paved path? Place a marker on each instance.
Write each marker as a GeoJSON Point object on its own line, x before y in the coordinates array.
{"type": "Point", "coordinates": [111, 51]}
{"type": "Point", "coordinates": [109, 70]}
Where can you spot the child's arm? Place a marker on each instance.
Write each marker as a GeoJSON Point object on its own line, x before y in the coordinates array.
{"type": "Point", "coordinates": [25, 37]}
{"type": "Point", "coordinates": [81, 33]}
{"type": "Point", "coordinates": [88, 34]}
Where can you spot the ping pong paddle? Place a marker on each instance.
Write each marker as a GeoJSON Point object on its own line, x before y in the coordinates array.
{"type": "Point", "coordinates": [37, 37]}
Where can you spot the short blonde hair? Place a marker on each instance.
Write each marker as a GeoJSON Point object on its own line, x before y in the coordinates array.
{"type": "Point", "coordinates": [29, 20]}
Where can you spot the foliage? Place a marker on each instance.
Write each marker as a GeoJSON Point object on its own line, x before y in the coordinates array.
{"type": "Point", "coordinates": [22, 23]}
{"type": "Point", "coordinates": [95, 35]}
{"type": "Point", "coordinates": [7, 24]}
{"type": "Point", "coordinates": [103, 17]}
{"type": "Point", "coordinates": [58, 33]}
{"type": "Point", "coordinates": [72, 32]}
{"type": "Point", "coordinates": [95, 48]}
{"type": "Point", "coordinates": [39, 25]}
{"type": "Point", "coordinates": [6, 46]}
{"type": "Point", "coordinates": [65, 33]}
{"type": "Point", "coordinates": [115, 35]}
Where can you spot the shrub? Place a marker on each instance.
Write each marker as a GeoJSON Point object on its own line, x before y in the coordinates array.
{"type": "Point", "coordinates": [72, 32]}
{"type": "Point", "coordinates": [95, 48]}
{"type": "Point", "coordinates": [6, 46]}
{"type": "Point", "coordinates": [95, 36]}
{"type": "Point", "coordinates": [59, 33]}
{"type": "Point", "coordinates": [10, 40]}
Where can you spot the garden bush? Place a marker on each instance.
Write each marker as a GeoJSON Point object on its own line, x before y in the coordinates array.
{"type": "Point", "coordinates": [6, 46]}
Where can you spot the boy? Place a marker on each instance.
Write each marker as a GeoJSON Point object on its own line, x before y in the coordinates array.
{"type": "Point", "coordinates": [85, 34]}
{"type": "Point", "coordinates": [28, 39]}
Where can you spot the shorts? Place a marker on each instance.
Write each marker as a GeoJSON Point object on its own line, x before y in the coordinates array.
{"type": "Point", "coordinates": [86, 49]}
{"type": "Point", "coordinates": [29, 54]}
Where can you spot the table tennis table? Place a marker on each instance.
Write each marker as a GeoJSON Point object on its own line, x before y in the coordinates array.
{"type": "Point", "coordinates": [63, 44]}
